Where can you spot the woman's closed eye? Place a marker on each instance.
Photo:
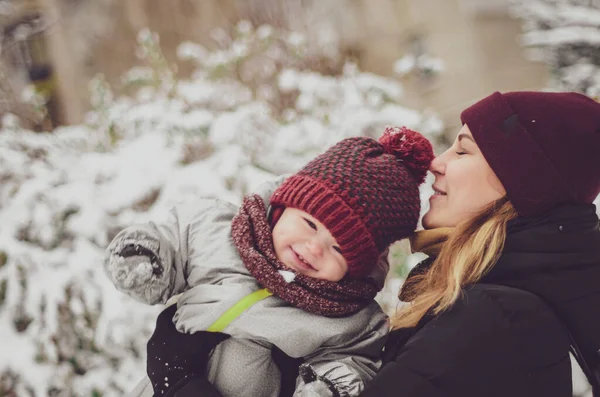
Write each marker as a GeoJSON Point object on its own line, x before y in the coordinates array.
{"type": "Point", "coordinates": [310, 223]}
{"type": "Point", "coordinates": [460, 150]}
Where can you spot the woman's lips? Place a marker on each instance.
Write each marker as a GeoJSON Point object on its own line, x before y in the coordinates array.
{"type": "Point", "coordinates": [437, 194]}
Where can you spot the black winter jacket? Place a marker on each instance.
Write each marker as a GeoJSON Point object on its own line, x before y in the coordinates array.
{"type": "Point", "coordinates": [506, 336]}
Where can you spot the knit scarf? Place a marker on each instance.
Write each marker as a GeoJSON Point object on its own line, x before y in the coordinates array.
{"type": "Point", "coordinates": [253, 238]}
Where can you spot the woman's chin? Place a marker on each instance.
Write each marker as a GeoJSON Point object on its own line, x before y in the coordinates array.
{"type": "Point", "coordinates": [428, 221]}
{"type": "Point", "coordinates": [433, 220]}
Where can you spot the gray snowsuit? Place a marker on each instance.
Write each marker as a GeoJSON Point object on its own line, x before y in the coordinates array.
{"type": "Point", "coordinates": [201, 262]}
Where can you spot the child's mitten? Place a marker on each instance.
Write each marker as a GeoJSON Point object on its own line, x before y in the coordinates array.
{"type": "Point", "coordinates": [132, 267]}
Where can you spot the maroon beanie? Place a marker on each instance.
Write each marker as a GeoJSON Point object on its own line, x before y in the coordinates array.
{"type": "Point", "coordinates": [544, 147]}
{"type": "Point", "coordinates": [364, 191]}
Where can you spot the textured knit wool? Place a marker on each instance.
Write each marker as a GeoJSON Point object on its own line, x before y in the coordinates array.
{"type": "Point", "coordinates": [252, 236]}
{"type": "Point", "coordinates": [365, 192]}
{"type": "Point", "coordinates": [543, 146]}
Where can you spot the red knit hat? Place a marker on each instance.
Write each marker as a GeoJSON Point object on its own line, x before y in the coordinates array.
{"type": "Point", "coordinates": [544, 147]}
{"type": "Point", "coordinates": [365, 192]}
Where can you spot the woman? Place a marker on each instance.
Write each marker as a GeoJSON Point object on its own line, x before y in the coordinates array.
{"type": "Point", "coordinates": [520, 265]}
{"type": "Point", "coordinates": [513, 276]}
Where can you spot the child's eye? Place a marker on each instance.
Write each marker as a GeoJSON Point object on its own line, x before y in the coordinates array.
{"type": "Point", "coordinates": [338, 249]}
{"type": "Point", "coordinates": [311, 224]}
{"type": "Point", "coordinates": [461, 153]}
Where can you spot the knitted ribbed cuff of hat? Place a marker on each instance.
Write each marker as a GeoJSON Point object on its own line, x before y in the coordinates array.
{"type": "Point", "coordinates": [325, 204]}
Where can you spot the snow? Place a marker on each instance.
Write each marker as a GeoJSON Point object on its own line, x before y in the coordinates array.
{"type": "Point", "coordinates": [564, 34]}
{"type": "Point", "coordinates": [423, 63]}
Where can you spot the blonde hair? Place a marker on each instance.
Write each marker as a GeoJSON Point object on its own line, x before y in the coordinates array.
{"type": "Point", "coordinates": [469, 253]}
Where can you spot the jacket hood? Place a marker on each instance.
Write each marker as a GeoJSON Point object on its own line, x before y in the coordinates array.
{"type": "Point", "coordinates": [557, 257]}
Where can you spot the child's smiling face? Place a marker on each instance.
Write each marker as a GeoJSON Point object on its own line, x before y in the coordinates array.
{"type": "Point", "coordinates": [305, 245]}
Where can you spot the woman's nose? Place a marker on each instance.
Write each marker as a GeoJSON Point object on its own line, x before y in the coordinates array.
{"type": "Point", "coordinates": [438, 165]}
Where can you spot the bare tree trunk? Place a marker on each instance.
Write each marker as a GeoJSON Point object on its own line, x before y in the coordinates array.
{"type": "Point", "coordinates": [136, 13]}
{"type": "Point", "coordinates": [10, 101]}
{"type": "Point", "coordinates": [71, 83]}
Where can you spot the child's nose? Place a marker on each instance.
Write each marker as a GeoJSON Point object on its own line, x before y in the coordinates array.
{"type": "Point", "coordinates": [315, 247]}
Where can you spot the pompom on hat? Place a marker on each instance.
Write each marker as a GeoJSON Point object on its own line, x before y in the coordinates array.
{"type": "Point", "coordinates": [365, 192]}
{"type": "Point", "coordinates": [543, 146]}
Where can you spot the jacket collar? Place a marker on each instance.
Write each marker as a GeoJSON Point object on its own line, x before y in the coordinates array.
{"type": "Point", "coordinates": [565, 238]}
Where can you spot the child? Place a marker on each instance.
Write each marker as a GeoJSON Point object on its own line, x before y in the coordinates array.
{"type": "Point", "coordinates": [304, 265]}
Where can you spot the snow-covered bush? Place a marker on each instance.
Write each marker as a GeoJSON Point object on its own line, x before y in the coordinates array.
{"type": "Point", "coordinates": [565, 34]}
{"type": "Point", "coordinates": [252, 110]}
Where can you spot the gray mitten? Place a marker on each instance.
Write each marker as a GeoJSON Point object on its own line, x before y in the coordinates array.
{"type": "Point", "coordinates": [315, 385]}
{"type": "Point", "coordinates": [133, 266]}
